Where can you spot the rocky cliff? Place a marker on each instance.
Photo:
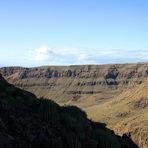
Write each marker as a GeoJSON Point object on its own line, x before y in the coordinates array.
{"type": "Point", "coordinates": [74, 82]}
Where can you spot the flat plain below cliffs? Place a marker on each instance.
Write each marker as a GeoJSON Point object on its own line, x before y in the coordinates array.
{"type": "Point", "coordinates": [115, 94]}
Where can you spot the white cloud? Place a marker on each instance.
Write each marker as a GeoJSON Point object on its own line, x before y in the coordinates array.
{"type": "Point", "coordinates": [41, 54]}
{"type": "Point", "coordinates": [63, 56]}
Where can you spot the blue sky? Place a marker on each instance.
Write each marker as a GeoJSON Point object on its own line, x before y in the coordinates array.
{"type": "Point", "coordinates": [66, 32]}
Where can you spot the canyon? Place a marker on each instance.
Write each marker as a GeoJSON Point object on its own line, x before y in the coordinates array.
{"type": "Point", "coordinates": [116, 94]}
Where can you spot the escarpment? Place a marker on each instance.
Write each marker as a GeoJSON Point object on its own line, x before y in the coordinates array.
{"type": "Point", "coordinates": [76, 80]}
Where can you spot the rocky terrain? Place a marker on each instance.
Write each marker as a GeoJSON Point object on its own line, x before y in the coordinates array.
{"type": "Point", "coordinates": [114, 94]}
{"type": "Point", "coordinates": [74, 82]}
{"type": "Point", "coordinates": [29, 122]}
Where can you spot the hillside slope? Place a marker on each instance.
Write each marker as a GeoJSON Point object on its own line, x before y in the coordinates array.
{"type": "Point", "coordinates": [126, 113]}
{"type": "Point", "coordinates": [114, 94]}
{"type": "Point", "coordinates": [28, 122]}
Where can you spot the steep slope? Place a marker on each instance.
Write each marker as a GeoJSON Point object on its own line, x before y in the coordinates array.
{"type": "Point", "coordinates": [28, 122]}
{"type": "Point", "coordinates": [126, 113]}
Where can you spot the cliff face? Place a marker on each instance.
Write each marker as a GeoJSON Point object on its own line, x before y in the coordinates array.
{"type": "Point", "coordinates": [74, 82]}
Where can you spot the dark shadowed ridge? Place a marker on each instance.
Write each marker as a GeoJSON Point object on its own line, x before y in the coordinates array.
{"type": "Point", "coordinates": [28, 122]}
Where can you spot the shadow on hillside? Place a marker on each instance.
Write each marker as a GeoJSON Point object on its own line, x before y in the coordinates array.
{"type": "Point", "coordinates": [125, 140]}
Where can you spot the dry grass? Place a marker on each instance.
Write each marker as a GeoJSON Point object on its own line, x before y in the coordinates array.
{"type": "Point", "coordinates": [127, 112]}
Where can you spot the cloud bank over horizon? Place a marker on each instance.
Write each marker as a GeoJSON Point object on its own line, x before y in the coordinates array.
{"type": "Point", "coordinates": [74, 56]}
{"type": "Point", "coordinates": [44, 55]}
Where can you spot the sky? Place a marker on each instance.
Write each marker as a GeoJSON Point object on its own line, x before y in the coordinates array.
{"type": "Point", "coordinates": [73, 32]}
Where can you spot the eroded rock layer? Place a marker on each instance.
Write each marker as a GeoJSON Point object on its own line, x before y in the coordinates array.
{"type": "Point", "coordinates": [73, 82]}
